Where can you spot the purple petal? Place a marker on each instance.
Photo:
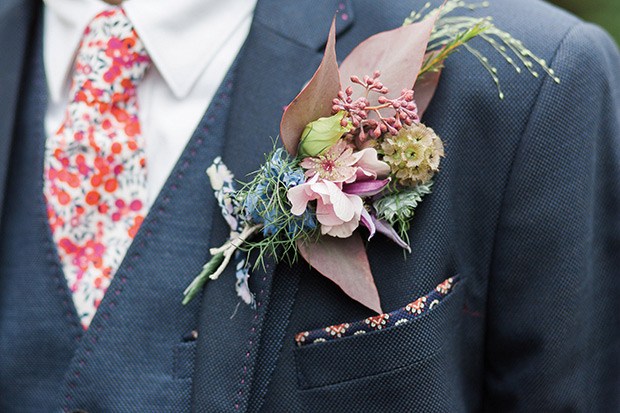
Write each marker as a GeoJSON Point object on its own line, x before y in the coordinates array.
{"type": "Point", "coordinates": [365, 188]}
{"type": "Point", "coordinates": [386, 229]}
{"type": "Point", "coordinates": [369, 221]}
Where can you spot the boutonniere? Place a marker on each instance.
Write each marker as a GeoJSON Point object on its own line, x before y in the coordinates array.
{"type": "Point", "coordinates": [357, 160]}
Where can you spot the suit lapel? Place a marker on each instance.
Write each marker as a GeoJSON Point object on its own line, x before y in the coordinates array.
{"type": "Point", "coordinates": [280, 55]}
{"type": "Point", "coordinates": [282, 52]}
{"type": "Point", "coordinates": [16, 19]}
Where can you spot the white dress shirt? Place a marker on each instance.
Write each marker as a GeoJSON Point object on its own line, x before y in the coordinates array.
{"type": "Point", "coordinates": [192, 44]}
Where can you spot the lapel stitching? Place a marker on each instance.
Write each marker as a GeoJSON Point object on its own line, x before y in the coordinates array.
{"type": "Point", "coordinates": [269, 35]}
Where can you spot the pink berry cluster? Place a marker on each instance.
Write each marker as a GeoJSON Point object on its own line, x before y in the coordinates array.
{"type": "Point", "coordinates": [405, 111]}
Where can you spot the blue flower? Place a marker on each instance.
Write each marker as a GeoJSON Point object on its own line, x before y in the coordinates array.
{"type": "Point", "coordinates": [266, 202]}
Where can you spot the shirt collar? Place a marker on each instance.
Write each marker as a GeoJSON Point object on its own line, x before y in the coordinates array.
{"type": "Point", "coordinates": [181, 37]}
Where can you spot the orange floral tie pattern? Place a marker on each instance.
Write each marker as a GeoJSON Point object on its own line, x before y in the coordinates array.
{"type": "Point", "coordinates": [95, 169]}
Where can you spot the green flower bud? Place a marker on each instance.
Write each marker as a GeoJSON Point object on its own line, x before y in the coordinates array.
{"type": "Point", "coordinates": [321, 135]}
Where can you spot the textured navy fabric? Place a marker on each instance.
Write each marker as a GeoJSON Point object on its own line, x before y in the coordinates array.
{"type": "Point", "coordinates": [525, 209]}
{"type": "Point", "coordinates": [16, 22]}
{"type": "Point", "coordinates": [39, 331]}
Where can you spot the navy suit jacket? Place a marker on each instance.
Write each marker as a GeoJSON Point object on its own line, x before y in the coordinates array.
{"type": "Point", "coordinates": [525, 209]}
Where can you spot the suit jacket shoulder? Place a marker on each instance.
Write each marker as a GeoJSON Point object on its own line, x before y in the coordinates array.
{"type": "Point", "coordinates": [521, 210]}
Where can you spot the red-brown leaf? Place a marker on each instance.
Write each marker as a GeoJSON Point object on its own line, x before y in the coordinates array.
{"type": "Point", "coordinates": [344, 261]}
{"type": "Point", "coordinates": [424, 90]}
{"type": "Point", "coordinates": [315, 100]}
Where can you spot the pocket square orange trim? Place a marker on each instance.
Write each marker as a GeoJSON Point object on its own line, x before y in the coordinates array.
{"type": "Point", "coordinates": [409, 312]}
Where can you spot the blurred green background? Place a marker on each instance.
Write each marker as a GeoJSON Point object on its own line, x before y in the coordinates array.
{"type": "Point", "coordinates": [605, 13]}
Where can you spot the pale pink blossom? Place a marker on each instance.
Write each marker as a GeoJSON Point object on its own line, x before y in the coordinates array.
{"type": "Point", "coordinates": [338, 180]}
{"type": "Point", "coordinates": [336, 164]}
{"type": "Point", "coordinates": [337, 212]}
{"type": "Point", "coordinates": [340, 164]}
{"type": "Point", "coordinates": [369, 166]}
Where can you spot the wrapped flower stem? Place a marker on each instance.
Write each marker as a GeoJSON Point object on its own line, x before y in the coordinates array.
{"type": "Point", "coordinates": [217, 264]}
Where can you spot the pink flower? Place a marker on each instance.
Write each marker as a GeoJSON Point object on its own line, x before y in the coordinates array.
{"type": "Point", "coordinates": [369, 166]}
{"type": "Point", "coordinates": [335, 165]}
{"type": "Point", "coordinates": [338, 212]}
{"type": "Point", "coordinates": [338, 181]}
{"type": "Point", "coordinates": [341, 164]}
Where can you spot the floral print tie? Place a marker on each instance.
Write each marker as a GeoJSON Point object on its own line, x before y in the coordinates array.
{"type": "Point", "coordinates": [95, 169]}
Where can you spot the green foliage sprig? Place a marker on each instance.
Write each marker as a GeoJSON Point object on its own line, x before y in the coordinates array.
{"type": "Point", "coordinates": [398, 206]}
{"type": "Point", "coordinates": [451, 32]}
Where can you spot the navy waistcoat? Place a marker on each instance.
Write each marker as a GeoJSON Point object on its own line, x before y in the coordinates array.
{"type": "Point", "coordinates": [138, 352]}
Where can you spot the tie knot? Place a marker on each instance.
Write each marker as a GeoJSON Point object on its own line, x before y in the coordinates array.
{"type": "Point", "coordinates": [111, 60]}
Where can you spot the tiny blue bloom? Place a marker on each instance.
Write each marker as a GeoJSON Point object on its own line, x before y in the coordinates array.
{"type": "Point", "coordinates": [261, 206]}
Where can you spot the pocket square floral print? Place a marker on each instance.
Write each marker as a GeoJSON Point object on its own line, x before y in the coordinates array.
{"type": "Point", "coordinates": [357, 159]}
{"type": "Point", "coordinates": [382, 321]}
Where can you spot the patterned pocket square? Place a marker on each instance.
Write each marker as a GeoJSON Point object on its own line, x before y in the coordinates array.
{"type": "Point", "coordinates": [382, 321]}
